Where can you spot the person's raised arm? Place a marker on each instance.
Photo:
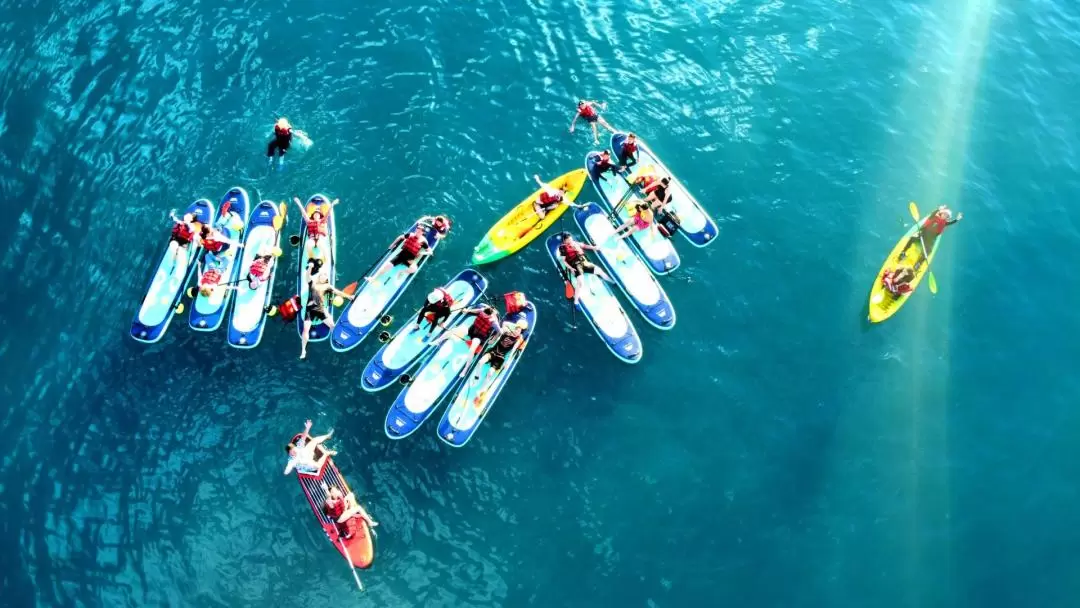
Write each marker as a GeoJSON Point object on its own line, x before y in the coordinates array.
{"type": "Point", "coordinates": [303, 212]}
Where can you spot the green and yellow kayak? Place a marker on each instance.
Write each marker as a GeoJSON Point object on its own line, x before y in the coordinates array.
{"type": "Point", "coordinates": [521, 225]}
{"type": "Point", "coordinates": [907, 252]}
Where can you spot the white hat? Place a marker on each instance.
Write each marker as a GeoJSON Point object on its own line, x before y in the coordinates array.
{"type": "Point", "coordinates": [435, 296]}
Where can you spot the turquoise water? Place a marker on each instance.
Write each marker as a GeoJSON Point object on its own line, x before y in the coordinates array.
{"type": "Point", "coordinates": [771, 450]}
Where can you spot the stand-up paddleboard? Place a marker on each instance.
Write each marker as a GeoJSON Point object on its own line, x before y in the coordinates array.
{"type": "Point", "coordinates": [207, 313]}
{"type": "Point", "coordinates": [373, 299]}
{"type": "Point", "coordinates": [602, 309]}
{"type": "Point", "coordinates": [324, 248]}
{"type": "Point", "coordinates": [166, 285]}
{"type": "Point", "coordinates": [472, 402]}
{"type": "Point", "coordinates": [694, 223]}
{"type": "Point", "coordinates": [359, 548]}
{"type": "Point", "coordinates": [658, 252]}
{"type": "Point", "coordinates": [520, 226]}
{"type": "Point", "coordinates": [626, 268]}
{"type": "Point", "coordinates": [410, 343]}
{"type": "Point", "coordinates": [248, 319]}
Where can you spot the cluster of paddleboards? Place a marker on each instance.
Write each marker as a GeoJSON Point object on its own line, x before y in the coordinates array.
{"type": "Point", "coordinates": [634, 264]}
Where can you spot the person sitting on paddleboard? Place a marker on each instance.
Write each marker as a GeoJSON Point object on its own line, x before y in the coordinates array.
{"type": "Point", "coordinates": [586, 110]}
{"type": "Point", "coordinates": [511, 336]}
{"type": "Point", "coordinates": [602, 164]}
{"type": "Point", "coordinates": [316, 223]}
{"type": "Point", "coordinates": [302, 453]}
{"type": "Point", "coordinates": [627, 152]}
{"type": "Point", "coordinates": [439, 304]}
{"type": "Point", "coordinates": [319, 287]}
{"type": "Point", "coordinates": [572, 256]}
{"type": "Point", "coordinates": [283, 134]}
{"type": "Point", "coordinates": [341, 508]}
{"type": "Point", "coordinates": [642, 219]}
{"type": "Point", "coordinates": [414, 247]}
{"type": "Point", "coordinates": [658, 193]}
{"type": "Point", "coordinates": [485, 321]}
{"type": "Point", "coordinates": [183, 233]}
{"type": "Point", "coordinates": [898, 281]}
{"type": "Point", "coordinates": [549, 199]}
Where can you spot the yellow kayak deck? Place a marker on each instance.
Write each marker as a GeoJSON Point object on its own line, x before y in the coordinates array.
{"type": "Point", "coordinates": [907, 252]}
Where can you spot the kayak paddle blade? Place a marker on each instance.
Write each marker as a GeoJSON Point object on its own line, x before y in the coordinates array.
{"type": "Point", "coordinates": [914, 210]}
{"type": "Point", "coordinates": [933, 283]}
{"type": "Point", "coordinates": [568, 289]}
{"type": "Point", "coordinates": [350, 289]}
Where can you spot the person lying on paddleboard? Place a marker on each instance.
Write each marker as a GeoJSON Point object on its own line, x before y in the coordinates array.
{"type": "Point", "coordinates": [642, 219]}
{"type": "Point", "coordinates": [214, 240]}
{"type": "Point", "coordinates": [211, 273]}
{"type": "Point", "coordinates": [603, 164]}
{"type": "Point", "coordinates": [484, 323]}
{"type": "Point", "coordinates": [898, 281]}
{"type": "Point", "coordinates": [511, 336]}
{"type": "Point", "coordinates": [550, 198]}
{"type": "Point", "coordinates": [586, 110]}
{"type": "Point", "coordinates": [572, 256]}
{"type": "Point", "coordinates": [439, 304]}
{"type": "Point", "coordinates": [302, 454]}
{"type": "Point", "coordinates": [261, 265]}
{"type": "Point", "coordinates": [183, 233]}
{"type": "Point", "coordinates": [627, 152]}
{"type": "Point", "coordinates": [414, 247]}
{"type": "Point", "coordinates": [319, 288]}
{"type": "Point", "coordinates": [341, 508]}
{"type": "Point", "coordinates": [316, 223]}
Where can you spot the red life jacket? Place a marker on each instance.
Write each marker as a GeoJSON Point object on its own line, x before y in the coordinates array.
{"type": "Point", "coordinates": [334, 508]}
{"type": "Point", "coordinates": [549, 200]}
{"type": "Point", "coordinates": [210, 278]}
{"type": "Point", "coordinates": [628, 148]}
{"type": "Point", "coordinates": [649, 183]}
{"type": "Point", "coordinates": [316, 227]}
{"type": "Point", "coordinates": [182, 232]}
{"type": "Point", "coordinates": [571, 252]}
{"type": "Point", "coordinates": [260, 268]}
{"type": "Point", "coordinates": [280, 132]}
{"type": "Point", "coordinates": [413, 244]}
{"type": "Point", "coordinates": [210, 243]}
{"type": "Point", "coordinates": [515, 302]}
{"type": "Point", "coordinates": [936, 223]}
{"type": "Point", "coordinates": [289, 308]}
{"type": "Point", "coordinates": [447, 299]}
{"type": "Point", "coordinates": [483, 324]}
{"type": "Point", "coordinates": [888, 281]}
{"type": "Point", "coordinates": [586, 111]}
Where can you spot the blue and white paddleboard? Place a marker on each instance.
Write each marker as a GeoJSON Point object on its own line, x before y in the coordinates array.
{"type": "Point", "coordinates": [694, 222]}
{"type": "Point", "coordinates": [471, 403]}
{"type": "Point", "coordinates": [658, 252]}
{"type": "Point", "coordinates": [626, 268]}
{"type": "Point", "coordinates": [602, 309]}
{"type": "Point", "coordinates": [166, 285]}
{"type": "Point", "coordinates": [373, 299]}
{"type": "Point", "coordinates": [248, 319]}
{"type": "Point", "coordinates": [207, 313]}
{"type": "Point", "coordinates": [410, 344]}
{"type": "Point", "coordinates": [324, 248]}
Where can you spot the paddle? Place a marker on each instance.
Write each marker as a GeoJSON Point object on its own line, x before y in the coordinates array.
{"type": "Point", "coordinates": [569, 293]}
{"type": "Point", "coordinates": [351, 566]}
{"type": "Point", "coordinates": [914, 210]}
{"type": "Point", "coordinates": [349, 290]}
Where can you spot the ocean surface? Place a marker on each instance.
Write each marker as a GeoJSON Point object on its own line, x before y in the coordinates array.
{"type": "Point", "coordinates": [772, 450]}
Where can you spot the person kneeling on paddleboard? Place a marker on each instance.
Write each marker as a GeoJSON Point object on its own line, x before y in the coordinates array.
{"type": "Point", "coordinates": [511, 336]}
{"type": "Point", "coordinates": [341, 508]}
{"type": "Point", "coordinates": [572, 256]}
{"type": "Point", "coordinates": [602, 164]}
{"type": "Point", "coordinates": [549, 199]}
{"type": "Point", "coordinates": [414, 246]}
{"type": "Point", "coordinates": [586, 110]}
{"type": "Point", "coordinates": [627, 152]}
{"type": "Point", "coordinates": [898, 281]}
{"type": "Point", "coordinates": [306, 455]}
{"type": "Point", "coordinates": [437, 307]}
{"type": "Point", "coordinates": [315, 310]}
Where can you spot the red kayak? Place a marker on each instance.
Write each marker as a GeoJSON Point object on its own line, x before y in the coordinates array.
{"type": "Point", "coordinates": [359, 549]}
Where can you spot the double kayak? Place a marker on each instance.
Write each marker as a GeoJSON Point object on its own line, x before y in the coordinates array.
{"type": "Point", "coordinates": [374, 298]}
{"type": "Point", "coordinates": [208, 312]}
{"type": "Point", "coordinates": [658, 252]}
{"type": "Point", "coordinates": [248, 319]}
{"type": "Point", "coordinates": [324, 249]}
{"type": "Point", "coordinates": [627, 270]}
{"type": "Point", "coordinates": [359, 548]}
{"type": "Point", "coordinates": [694, 222]}
{"type": "Point", "coordinates": [521, 225]}
{"type": "Point", "coordinates": [471, 403]}
{"type": "Point", "coordinates": [602, 309]}
{"type": "Point", "coordinates": [167, 283]}
{"type": "Point", "coordinates": [907, 252]}
{"type": "Point", "coordinates": [411, 342]}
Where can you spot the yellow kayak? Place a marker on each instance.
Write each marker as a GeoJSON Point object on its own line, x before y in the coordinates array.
{"type": "Point", "coordinates": [521, 225]}
{"type": "Point", "coordinates": [908, 252]}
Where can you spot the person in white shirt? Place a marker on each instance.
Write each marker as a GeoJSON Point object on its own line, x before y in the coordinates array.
{"type": "Point", "coordinates": [305, 455]}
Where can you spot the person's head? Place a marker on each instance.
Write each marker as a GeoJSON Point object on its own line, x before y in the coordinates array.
{"type": "Point", "coordinates": [441, 224]}
{"type": "Point", "coordinates": [334, 493]}
{"type": "Point", "coordinates": [314, 266]}
{"type": "Point", "coordinates": [290, 448]}
{"type": "Point", "coordinates": [944, 213]}
{"type": "Point", "coordinates": [189, 217]}
{"type": "Point", "coordinates": [206, 290]}
{"type": "Point", "coordinates": [605, 155]}
{"type": "Point", "coordinates": [666, 180]}
{"type": "Point", "coordinates": [509, 327]}
{"type": "Point", "coordinates": [435, 296]}
{"type": "Point", "coordinates": [419, 230]}
{"type": "Point", "coordinates": [283, 124]}
{"type": "Point", "coordinates": [488, 310]}
{"type": "Point", "coordinates": [521, 325]}
{"type": "Point", "coordinates": [581, 103]}
{"type": "Point", "coordinates": [204, 231]}
{"type": "Point", "coordinates": [631, 138]}
{"type": "Point", "coordinates": [566, 237]}
{"type": "Point", "coordinates": [316, 216]}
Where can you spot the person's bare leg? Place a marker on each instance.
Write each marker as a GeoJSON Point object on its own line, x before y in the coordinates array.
{"type": "Point", "coordinates": [595, 133]}
{"type": "Point", "coordinates": [484, 359]}
{"type": "Point", "coordinates": [304, 338]}
{"type": "Point", "coordinates": [605, 124]}
{"type": "Point", "coordinates": [386, 266]}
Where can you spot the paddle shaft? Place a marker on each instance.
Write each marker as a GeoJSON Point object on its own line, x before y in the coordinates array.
{"type": "Point", "coordinates": [352, 568]}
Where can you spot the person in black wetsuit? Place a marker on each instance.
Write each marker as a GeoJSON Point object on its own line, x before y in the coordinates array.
{"type": "Point", "coordinates": [439, 304]}
{"type": "Point", "coordinates": [602, 164]}
{"type": "Point", "coordinates": [283, 134]}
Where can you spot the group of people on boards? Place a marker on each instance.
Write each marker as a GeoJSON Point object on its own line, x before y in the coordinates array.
{"type": "Point", "coordinates": [897, 280]}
